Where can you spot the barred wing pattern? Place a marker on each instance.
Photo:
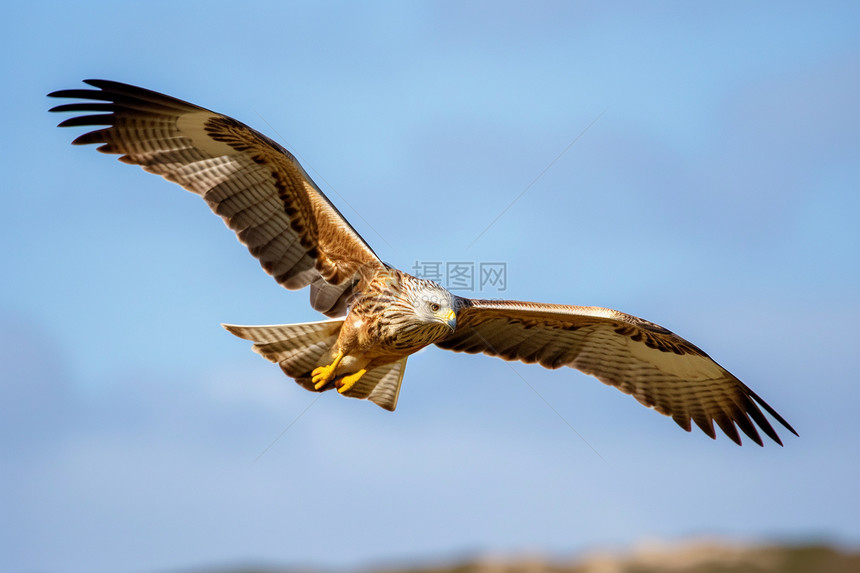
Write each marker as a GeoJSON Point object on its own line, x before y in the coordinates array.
{"type": "Point", "coordinates": [657, 367]}
{"type": "Point", "coordinates": [254, 184]}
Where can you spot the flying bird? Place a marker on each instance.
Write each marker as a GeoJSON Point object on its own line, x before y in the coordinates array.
{"type": "Point", "coordinates": [377, 314]}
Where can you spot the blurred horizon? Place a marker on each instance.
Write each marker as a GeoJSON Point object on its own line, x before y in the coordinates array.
{"type": "Point", "coordinates": [695, 165]}
{"type": "Point", "coordinates": [693, 555]}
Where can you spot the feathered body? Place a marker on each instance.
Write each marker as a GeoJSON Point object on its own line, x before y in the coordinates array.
{"type": "Point", "coordinates": [396, 315]}
{"type": "Point", "coordinates": [380, 315]}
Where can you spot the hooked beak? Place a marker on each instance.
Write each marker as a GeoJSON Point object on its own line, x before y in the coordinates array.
{"type": "Point", "coordinates": [451, 319]}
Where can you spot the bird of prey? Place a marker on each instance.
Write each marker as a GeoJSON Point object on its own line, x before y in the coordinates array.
{"type": "Point", "coordinates": [379, 315]}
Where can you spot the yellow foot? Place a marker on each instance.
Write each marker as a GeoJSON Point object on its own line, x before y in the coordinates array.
{"type": "Point", "coordinates": [325, 374]}
{"type": "Point", "coordinates": [322, 376]}
{"type": "Point", "coordinates": [347, 382]}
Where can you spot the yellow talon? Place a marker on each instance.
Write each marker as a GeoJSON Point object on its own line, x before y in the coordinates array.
{"type": "Point", "coordinates": [347, 382]}
{"type": "Point", "coordinates": [322, 375]}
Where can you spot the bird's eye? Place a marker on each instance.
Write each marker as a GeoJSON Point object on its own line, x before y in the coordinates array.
{"type": "Point", "coordinates": [434, 306]}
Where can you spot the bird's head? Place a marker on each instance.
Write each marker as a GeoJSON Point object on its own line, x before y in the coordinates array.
{"type": "Point", "coordinates": [433, 304]}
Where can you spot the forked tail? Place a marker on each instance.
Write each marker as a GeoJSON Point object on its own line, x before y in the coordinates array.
{"type": "Point", "coordinates": [299, 348]}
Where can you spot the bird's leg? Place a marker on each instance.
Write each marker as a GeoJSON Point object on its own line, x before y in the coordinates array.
{"type": "Point", "coordinates": [322, 375]}
{"type": "Point", "coordinates": [347, 382]}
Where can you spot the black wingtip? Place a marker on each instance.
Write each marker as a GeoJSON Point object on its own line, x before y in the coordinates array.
{"type": "Point", "coordinates": [773, 413]}
{"type": "Point", "coordinates": [77, 92]}
{"type": "Point", "coordinates": [87, 120]}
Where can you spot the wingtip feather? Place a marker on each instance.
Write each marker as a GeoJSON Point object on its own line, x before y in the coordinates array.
{"type": "Point", "coordinates": [767, 407]}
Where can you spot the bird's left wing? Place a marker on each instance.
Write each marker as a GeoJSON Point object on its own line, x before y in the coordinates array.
{"type": "Point", "coordinates": [254, 184]}
{"type": "Point", "coordinates": [657, 367]}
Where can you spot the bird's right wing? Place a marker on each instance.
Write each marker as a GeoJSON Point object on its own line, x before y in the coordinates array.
{"type": "Point", "coordinates": [657, 367]}
{"type": "Point", "coordinates": [254, 184]}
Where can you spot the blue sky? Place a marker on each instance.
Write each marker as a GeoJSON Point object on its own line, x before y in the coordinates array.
{"type": "Point", "coordinates": [715, 192]}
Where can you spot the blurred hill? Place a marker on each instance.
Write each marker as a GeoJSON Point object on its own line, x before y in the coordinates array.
{"type": "Point", "coordinates": [698, 557]}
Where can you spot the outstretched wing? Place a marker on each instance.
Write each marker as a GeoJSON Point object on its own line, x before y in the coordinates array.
{"type": "Point", "coordinates": [254, 184]}
{"type": "Point", "coordinates": [657, 367]}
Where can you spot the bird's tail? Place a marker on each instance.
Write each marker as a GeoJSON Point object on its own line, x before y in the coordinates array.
{"type": "Point", "coordinates": [299, 348]}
